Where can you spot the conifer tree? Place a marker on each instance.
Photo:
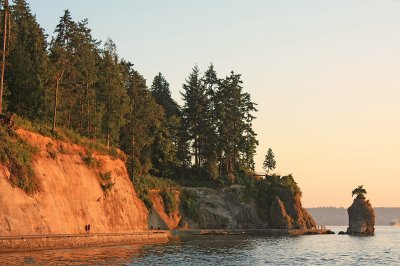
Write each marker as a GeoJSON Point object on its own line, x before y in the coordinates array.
{"type": "Point", "coordinates": [161, 92]}
{"type": "Point", "coordinates": [171, 147]}
{"type": "Point", "coordinates": [143, 120]}
{"type": "Point", "coordinates": [211, 150]}
{"type": "Point", "coordinates": [27, 65]}
{"type": "Point", "coordinates": [86, 53]}
{"type": "Point", "coordinates": [193, 111]}
{"type": "Point", "coordinates": [63, 48]}
{"type": "Point", "coordinates": [112, 94]}
{"type": "Point", "coordinates": [234, 109]}
{"type": "Point", "coordinates": [269, 161]}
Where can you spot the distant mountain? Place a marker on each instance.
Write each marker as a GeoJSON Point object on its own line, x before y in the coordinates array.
{"type": "Point", "coordinates": [338, 216]}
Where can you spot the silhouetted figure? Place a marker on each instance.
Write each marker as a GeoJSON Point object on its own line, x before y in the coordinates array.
{"type": "Point", "coordinates": [86, 228]}
{"type": "Point", "coordinates": [158, 228]}
{"type": "Point", "coordinates": [89, 228]}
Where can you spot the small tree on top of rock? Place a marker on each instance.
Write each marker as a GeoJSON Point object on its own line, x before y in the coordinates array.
{"type": "Point", "coordinates": [269, 161]}
{"type": "Point", "coordinates": [359, 191]}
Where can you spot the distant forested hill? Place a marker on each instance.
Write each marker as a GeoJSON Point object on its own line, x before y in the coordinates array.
{"type": "Point", "coordinates": [338, 216]}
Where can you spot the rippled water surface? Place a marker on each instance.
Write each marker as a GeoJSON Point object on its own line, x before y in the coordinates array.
{"type": "Point", "coordinates": [382, 249]}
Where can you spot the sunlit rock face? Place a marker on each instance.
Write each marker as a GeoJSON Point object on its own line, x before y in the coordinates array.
{"type": "Point", "coordinates": [361, 217]}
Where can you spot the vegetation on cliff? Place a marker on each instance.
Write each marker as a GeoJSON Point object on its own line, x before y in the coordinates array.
{"type": "Point", "coordinates": [16, 155]}
{"type": "Point", "coordinates": [76, 84]}
{"type": "Point", "coordinates": [76, 90]}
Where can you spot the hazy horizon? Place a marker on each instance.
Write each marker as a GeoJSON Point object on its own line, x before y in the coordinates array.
{"type": "Point", "coordinates": [325, 76]}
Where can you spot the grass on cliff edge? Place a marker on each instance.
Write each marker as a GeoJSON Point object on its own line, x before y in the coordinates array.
{"type": "Point", "coordinates": [16, 155]}
{"type": "Point", "coordinates": [69, 136]}
{"type": "Point", "coordinates": [166, 187]}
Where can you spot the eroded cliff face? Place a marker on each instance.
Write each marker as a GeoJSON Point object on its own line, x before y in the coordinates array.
{"type": "Point", "coordinates": [287, 211]}
{"type": "Point", "coordinates": [158, 217]}
{"type": "Point", "coordinates": [229, 208]}
{"type": "Point", "coordinates": [361, 217]}
{"type": "Point", "coordinates": [70, 195]}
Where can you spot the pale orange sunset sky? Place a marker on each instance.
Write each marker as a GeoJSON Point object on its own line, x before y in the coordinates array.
{"type": "Point", "coordinates": [326, 76]}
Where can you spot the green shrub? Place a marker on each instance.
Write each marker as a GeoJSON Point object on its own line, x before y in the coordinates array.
{"type": "Point", "coordinates": [170, 203]}
{"type": "Point", "coordinates": [107, 186]}
{"type": "Point", "coordinates": [62, 133]}
{"type": "Point", "coordinates": [105, 176]}
{"type": "Point", "coordinates": [166, 187]}
{"type": "Point", "coordinates": [51, 151]}
{"type": "Point", "coordinates": [190, 205]}
{"type": "Point", "coordinates": [62, 149]}
{"type": "Point", "coordinates": [88, 159]}
{"type": "Point", "coordinates": [113, 153]}
{"type": "Point", "coordinates": [16, 154]}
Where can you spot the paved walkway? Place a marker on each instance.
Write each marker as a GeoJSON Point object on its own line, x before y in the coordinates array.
{"type": "Point", "coordinates": [138, 233]}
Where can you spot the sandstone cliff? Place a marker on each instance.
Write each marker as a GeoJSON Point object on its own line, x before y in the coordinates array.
{"type": "Point", "coordinates": [361, 217]}
{"type": "Point", "coordinates": [70, 194]}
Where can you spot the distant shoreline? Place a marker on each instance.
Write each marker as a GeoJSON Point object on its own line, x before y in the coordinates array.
{"type": "Point", "coordinates": [333, 216]}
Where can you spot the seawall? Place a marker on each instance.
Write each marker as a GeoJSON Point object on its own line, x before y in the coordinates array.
{"type": "Point", "coordinates": [45, 242]}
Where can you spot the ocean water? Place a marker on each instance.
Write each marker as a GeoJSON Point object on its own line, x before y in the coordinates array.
{"type": "Point", "coordinates": [381, 249]}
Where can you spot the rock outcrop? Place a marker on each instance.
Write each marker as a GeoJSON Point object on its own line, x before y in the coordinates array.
{"type": "Point", "coordinates": [296, 216]}
{"type": "Point", "coordinates": [221, 209]}
{"type": "Point", "coordinates": [278, 215]}
{"type": "Point", "coordinates": [158, 216]}
{"type": "Point", "coordinates": [361, 217]}
{"type": "Point", "coordinates": [229, 208]}
{"type": "Point", "coordinates": [71, 196]}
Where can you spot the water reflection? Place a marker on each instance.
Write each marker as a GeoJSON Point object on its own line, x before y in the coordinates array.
{"type": "Point", "coordinates": [381, 249]}
{"type": "Point", "coordinates": [84, 256]}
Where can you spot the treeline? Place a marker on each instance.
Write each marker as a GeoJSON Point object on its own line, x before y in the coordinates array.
{"type": "Point", "coordinates": [76, 82]}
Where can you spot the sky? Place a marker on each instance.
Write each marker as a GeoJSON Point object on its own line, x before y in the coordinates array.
{"type": "Point", "coordinates": [325, 76]}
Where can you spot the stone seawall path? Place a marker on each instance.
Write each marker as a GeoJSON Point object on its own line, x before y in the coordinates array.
{"type": "Point", "coordinates": [60, 241]}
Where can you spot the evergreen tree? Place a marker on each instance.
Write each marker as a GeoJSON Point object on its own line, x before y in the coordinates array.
{"type": "Point", "coordinates": [162, 94]}
{"type": "Point", "coordinates": [144, 120]}
{"type": "Point", "coordinates": [211, 151]}
{"type": "Point", "coordinates": [193, 111]}
{"type": "Point", "coordinates": [112, 94]}
{"type": "Point", "coordinates": [63, 48]}
{"type": "Point", "coordinates": [171, 147]}
{"type": "Point", "coordinates": [234, 109]}
{"type": "Point", "coordinates": [269, 161]}
{"type": "Point", "coordinates": [86, 57]}
{"type": "Point", "coordinates": [27, 65]}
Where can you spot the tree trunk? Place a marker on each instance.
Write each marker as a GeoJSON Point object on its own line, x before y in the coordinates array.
{"type": "Point", "coordinates": [88, 109]}
{"type": "Point", "coordinates": [81, 113]}
{"type": "Point", "coordinates": [53, 129]}
{"type": "Point", "coordinates": [196, 150]}
{"type": "Point", "coordinates": [3, 62]}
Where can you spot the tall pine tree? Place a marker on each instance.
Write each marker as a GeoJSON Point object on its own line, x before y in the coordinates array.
{"type": "Point", "coordinates": [27, 65]}
{"type": "Point", "coordinates": [112, 94]}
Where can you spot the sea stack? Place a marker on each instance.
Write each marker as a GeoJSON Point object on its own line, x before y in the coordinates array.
{"type": "Point", "coordinates": [361, 215]}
